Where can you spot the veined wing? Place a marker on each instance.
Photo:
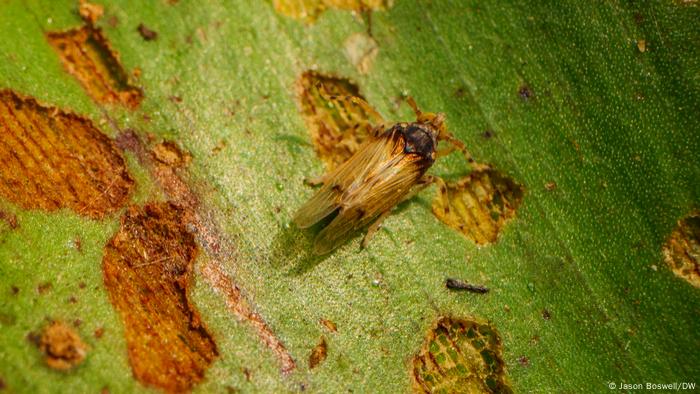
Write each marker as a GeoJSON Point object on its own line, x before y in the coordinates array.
{"type": "Point", "coordinates": [385, 187]}
{"type": "Point", "coordinates": [348, 176]}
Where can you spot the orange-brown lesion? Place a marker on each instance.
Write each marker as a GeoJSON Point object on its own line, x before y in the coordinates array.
{"type": "Point", "coordinates": [309, 10]}
{"type": "Point", "coordinates": [682, 249]}
{"type": "Point", "coordinates": [460, 356]}
{"type": "Point", "coordinates": [478, 205]}
{"type": "Point", "coordinates": [87, 55]}
{"type": "Point", "coordinates": [148, 273]}
{"type": "Point", "coordinates": [338, 126]}
{"type": "Point", "coordinates": [52, 159]}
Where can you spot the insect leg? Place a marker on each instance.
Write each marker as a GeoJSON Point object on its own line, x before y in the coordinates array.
{"type": "Point", "coordinates": [458, 145]}
{"type": "Point", "coordinates": [412, 103]}
{"type": "Point", "coordinates": [374, 227]}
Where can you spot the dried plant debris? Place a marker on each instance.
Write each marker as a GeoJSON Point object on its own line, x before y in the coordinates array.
{"type": "Point", "coordinates": [146, 33]}
{"type": "Point", "coordinates": [87, 55]}
{"type": "Point", "coordinates": [460, 356]}
{"type": "Point", "coordinates": [318, 353]}
{"type": "Point", "coordinates": [53, 159]}
{"type": "Point", "coordinates": [337, 126]}
{"type": "Point", "coordinates": [479, 205]}
{"type": "Point", "coordinates": [62, 347]}
{"type": "Point", "coordinates": [147, 269]}
{"type": "Point", "coordinates": [458, 284]}
{"type": "Point", "coordinates": [682, 249]}
{"type": "Point", "coordinates": [309, 10]}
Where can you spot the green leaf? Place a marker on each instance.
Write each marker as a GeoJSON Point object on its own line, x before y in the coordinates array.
{"type": "Point", "coordinates": [599, 128]}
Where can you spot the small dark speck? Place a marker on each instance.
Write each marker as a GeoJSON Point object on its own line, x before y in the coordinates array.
{"type": "Point", "coordinates": [488, 134]}
{"type": "Point", "coordinates": [546, 315]}
{"type": "Point", "coordinates": [525, 92]}
{"type": "Point", "coordinates": [43, 287]}
{"type": "Point", "coordinates": [460, 92]}
{"type": "Point", "coordinates": [458, 284]}
{"type": "Point", "coordinates": [146, 33]}
{"type": "Point", "coordinates": [638, 18]}
{"type": "Point", "coordinates": [14, 290]}
{"type": "Point", "coordinates": [524, 361]}
{"type": "Point", "coordinates": [247, 372]}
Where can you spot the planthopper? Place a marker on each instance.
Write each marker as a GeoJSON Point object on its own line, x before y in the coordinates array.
{"type": "Point", "coordinates": [388, 168]}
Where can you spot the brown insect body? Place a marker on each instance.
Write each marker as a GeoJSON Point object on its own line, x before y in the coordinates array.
{"type": "Point", "coordinates": [387, 169]}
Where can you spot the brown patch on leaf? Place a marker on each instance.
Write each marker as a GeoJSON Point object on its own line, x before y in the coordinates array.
{"type": "Point", "coordinates": [219, 249]}
{"type": "Point", "coordinates": [62, 347]}
{"type": "Point", "coordinates": [682, 249]}
{"type": "Point", "coordinates": [167, 152]}
{"type": "Point", "coordinates": [44, 287]}
{"type": "Point", "coordinates": [309, 10]}
{"type": "Point", "coordinates": [479, 205]}
{"type": "Point", "coordinates": [87, 55]}
{"type": "Point", "coordinates": [460, 356]}
{"type": "Point", "coordinates": [361, 49]}
{"type": "Point", "coordinates": [642, 46]}
{"type": "Point", "coordinates": [147, 269]}
{"type": "Point", "coordinates": [318, 353]}
{"type": "Point", "coordinates": [332, 327]}
{"type": "Point", "coordinates": [337, 126]}
{"type": "Point", "coordinates": [10, 219]}
{"type": "Point", "coordinates": [90, 13]}
{"type": "Point", "coordinates": [524, 361]}
{"type": "Point", "coordinates": [53, 159]}
{"type": "Point", "coordinates": [525, 93]}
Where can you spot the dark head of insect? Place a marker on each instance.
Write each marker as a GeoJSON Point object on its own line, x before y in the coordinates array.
{"type": "Point", "coordinates": [422, 138]}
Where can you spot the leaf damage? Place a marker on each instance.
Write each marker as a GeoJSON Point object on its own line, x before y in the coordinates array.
{"type": "Point", "coordinates": [62, 347]}
{"type": "Point", "coordinates": [682, 249]}
{"type": "Point", "coordinates": [87, 55]}
{"type": "Point", "coordinates": [165, 162]}
{"type": "Point", "coordinates": [148, 272]}
{"type": "Point", "coordinates": [480, 204]}
{"type": "Point", "coordinates": [337, 126]}
{"type": "Point", "coordinates": [309, 10]}
{"type": "Point", "coordinates": [53, 159]}
{"type": "Point", "coordinates": [460, 356]}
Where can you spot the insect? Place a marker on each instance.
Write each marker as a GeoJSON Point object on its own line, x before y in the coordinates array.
{"type": "Point", "coordinates": [388, 168]}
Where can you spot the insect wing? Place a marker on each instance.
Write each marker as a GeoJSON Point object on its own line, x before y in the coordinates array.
{"type": "Point", "coordinates": [353, 172]}
{"type": "Point", "coordinates": [384, 188]}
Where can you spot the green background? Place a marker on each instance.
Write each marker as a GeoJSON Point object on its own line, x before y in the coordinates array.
{"type": "Point", "coordinates": [615, 128]}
